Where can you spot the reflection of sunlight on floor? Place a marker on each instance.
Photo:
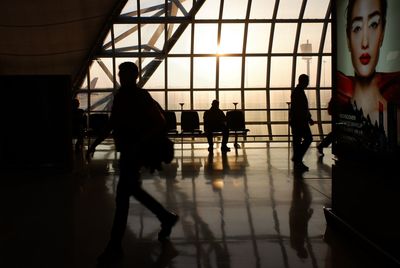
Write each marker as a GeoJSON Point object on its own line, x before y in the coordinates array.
{"type": "Point", "coordinates": [235, 207]}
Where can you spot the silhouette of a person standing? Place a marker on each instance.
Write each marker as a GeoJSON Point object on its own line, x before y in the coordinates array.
{"type": "Point", "coordinates": [215, 120]}
{"type": "Point", "coordinates": [300, 121]}
{"type": "Point", "coordinates": [136, 123]}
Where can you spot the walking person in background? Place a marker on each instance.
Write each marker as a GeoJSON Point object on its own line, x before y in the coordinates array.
{"type": "Point", "coordinates": [136, 123]}
{"type": "Point", "coordinates": [78, 124]}
{"type": "Point", "coordinates": [300, 121]}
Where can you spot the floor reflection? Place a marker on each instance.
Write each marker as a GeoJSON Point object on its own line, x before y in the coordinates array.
{"type": "Point", "coordinates": [222, 222]}
{"type": "Point", "coordinates": [240, 209]}
{"type": "Point", "coordinates": [299, 215]}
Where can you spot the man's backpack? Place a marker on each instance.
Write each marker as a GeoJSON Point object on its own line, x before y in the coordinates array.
{"type": "Point", "coordinates": [160, 149]}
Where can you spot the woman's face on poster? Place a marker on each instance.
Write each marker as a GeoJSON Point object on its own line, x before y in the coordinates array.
{"type": "Point", "coordinates": [366, 36]}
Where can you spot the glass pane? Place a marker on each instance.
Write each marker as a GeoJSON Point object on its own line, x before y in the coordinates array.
{"type": "Point", "coordinates": [311, 97]}
{"type": "Point", "coordinates": [101, 101]}
{"type": "Point", "coordinates": [255, 100]}
{"type": "Point", "coordinates": [84, 84]}
{"type": "Point", "coordinates": [310, 34]}
{"type": "Point", "coordinates": [257, 129]}
{"type": "Point", "coordinates": [256, 116]}
{"type": "Point", "coordinates": [325, 116]}
{"type": "Point", "coordinates": [205, 38]}
{"type": "Point", "coordinates": [258, 38]}
{"type": "Point", "coordinates": [327, 128]}
{"type": "Point", "coordinates": [281, 69]}
{"type": "Point", "coordinates": [107, 41]}
{"type": "Point", "coordinates": [209, 10]}
{"type": "Point", "coordinates": [316, 9]}
{"type": "Point", "coordinates": [99, 70]}
{"type": "Point", "coordinates": [227, 98]}
{"type": "Point", "coordinates": [152, 36]}
{"type": "Point", "coordinates": [307, 65]}
{"type": "Point", "coordinates": [178, 72]}
{"type": "Point", "coordinates": [256, 72]}
{"type": "Point", "coordinates": [202, 99]}
{"type": "Point", "coordinates": [187, 6]}
{"type": "Point", "coordinates": [328, 40]}
{"type": "Point", "coordinates": [325, 98]}
{"type": "Point", "coordinates": [284, 37]}
{"type": "Point", "coordinates": [231, 38]}
{"type": "Point", "coordinates": [182, 46]}
{"type": "Point", "coordinates": [279, 116]}
{"type": "Point", "coordinates": [125, 38]}
{"type": "Point", "coordinates": [230, 72]}
{"type": "Point", "coordinates": [177, 97]}
{"type": "Point", "coordinates": [120, 60]}
{"type": "Point", "coordinates": [289, 9]}
{"type": "Point", "coordinates": [279, 98]}
{"type": "Point", "coordinates": [280, 129]}
{"type": "Point", "coordinates": [129, 7]}
{"type": "Point", "coordinates": [313, 114]}
{"type": "Point", "coordinates": [159, 97]}
{"type": "Point", "coordinates": [326, 77]}
{"type": "Point", "coordinates": [144, 5]}
{"type": "Point", "coordinates": [262, 9]}
{"type": "Point", "coordinates": [235, 10]}
{"type": "Point", "coordinates": [93, 83]}
{"type": "Point", "coordinates": [157, 78]}
{"type": "Point", "coordinates": [314, 128]}
{"type": "Point", "coordinates": [204, 72]}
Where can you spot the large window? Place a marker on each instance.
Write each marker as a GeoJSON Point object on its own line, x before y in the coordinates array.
{"type": "Point", "coordinates": [246, 55]}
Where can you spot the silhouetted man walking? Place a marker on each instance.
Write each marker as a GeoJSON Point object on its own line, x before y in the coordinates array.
{"type": "Point", "coordinates": [300, 121]}
{"type": "Point", "coordinates": [136, 123]}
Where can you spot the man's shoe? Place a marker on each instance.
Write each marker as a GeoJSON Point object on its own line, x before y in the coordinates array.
{"type": "Point", "coordinates": [111, 254]}
{"type": "Point", "coordinates": [301, 167]}
{"type": "Point", "coordinates": [320, 150]}
{"type": "Point", "coordinates": [225, 149]}
{"type": "Point", "coordinates": [166, 226]}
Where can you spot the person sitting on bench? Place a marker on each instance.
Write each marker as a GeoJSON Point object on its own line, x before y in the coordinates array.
{"type": "Point", "coordinates": [215, 121]}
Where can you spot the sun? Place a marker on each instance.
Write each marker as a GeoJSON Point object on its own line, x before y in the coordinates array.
{"type": "Point", "coordinates": [231, 41]}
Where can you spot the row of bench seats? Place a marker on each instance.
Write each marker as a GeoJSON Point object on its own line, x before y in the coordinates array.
{"type": "Point", "coordinates": [190, 124]}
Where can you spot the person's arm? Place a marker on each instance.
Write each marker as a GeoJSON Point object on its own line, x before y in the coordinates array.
{"type": "Point", "coordinates": [97, 141]}
{"type": "Point", "coordinates": [310, 120]}
{"type": "Point", "coordinates": [105, 133]}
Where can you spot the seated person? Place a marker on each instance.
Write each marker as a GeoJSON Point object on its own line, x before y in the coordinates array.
{"type": "Point", "coordinates": [215, 121]}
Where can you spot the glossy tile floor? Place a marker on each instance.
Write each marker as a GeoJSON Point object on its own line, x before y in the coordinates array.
{"type": "Point", "coordinates": [243, 209]}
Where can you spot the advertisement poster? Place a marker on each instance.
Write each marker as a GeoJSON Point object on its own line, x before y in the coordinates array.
{"type": "Point", "coordinates": [367, 92]}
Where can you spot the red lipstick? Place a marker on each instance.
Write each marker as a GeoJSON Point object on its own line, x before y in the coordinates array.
{"type": "Point", "coordinates": [365, 58]}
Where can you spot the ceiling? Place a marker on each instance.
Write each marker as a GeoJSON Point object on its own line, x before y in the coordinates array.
{"type": "Point", "coordinates": [52, 37]}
